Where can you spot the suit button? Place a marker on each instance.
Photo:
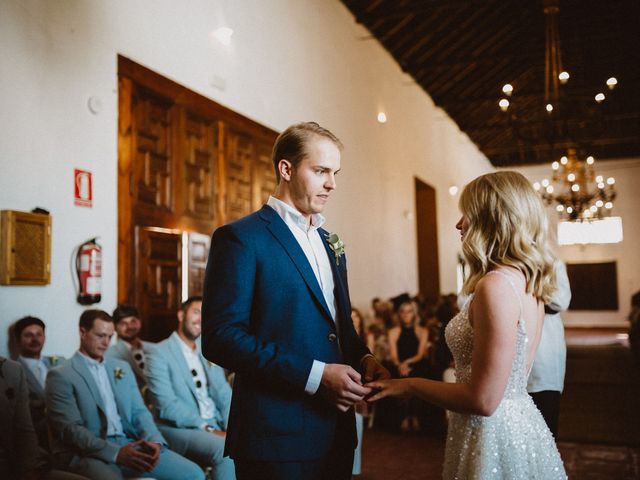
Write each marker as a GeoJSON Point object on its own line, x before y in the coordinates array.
{"type": "Point", "coordinates": [332, 337]}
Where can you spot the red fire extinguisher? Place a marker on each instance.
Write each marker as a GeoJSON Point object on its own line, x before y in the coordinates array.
{"type": "Point", "coordinates": [89, 271]}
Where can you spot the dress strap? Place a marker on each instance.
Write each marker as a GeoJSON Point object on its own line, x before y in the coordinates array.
{"type": "Point", "coordinates": [515, 290]}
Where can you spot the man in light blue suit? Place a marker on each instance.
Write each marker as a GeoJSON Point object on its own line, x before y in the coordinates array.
{"type": "Point", "coordinates": [100, 425]}
{"type": "Point", "coordinates": [29, 333]}
{"type": "Point", "coordinates": [129, 347]}
{"type": "Point", "coordinates": [276, 312]}
{"type": "Point", "coordinates": [190, 395]}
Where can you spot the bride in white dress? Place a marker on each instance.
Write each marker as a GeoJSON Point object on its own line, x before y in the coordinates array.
{"type": "Point", "coordinates": [495, 430]}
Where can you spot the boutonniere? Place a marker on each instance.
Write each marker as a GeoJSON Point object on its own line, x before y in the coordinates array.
{"type": "Point", "coordinates": [336, 245]}
{"type": "Point", "coordinates": [54, 359]}
{"type": "Point", "coordinates": [119, 373]}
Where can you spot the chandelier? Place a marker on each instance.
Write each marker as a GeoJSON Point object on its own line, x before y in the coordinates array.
{"type": "Point", "coordinates": [578, 193]}
{"type": "Point", "coordinates": [566, 124]}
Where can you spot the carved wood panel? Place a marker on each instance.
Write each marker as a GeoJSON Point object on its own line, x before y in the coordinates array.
{"type": "Point", "coordinates": [159, 280]}
{"type": "Point", "coordinates": [200, 167]}
{"type": "Point", "coordinates": [239, 153]}
{"type": "Point", "coordinates": [153, 172]}
{"type": "Point", "coordinates": [185, 164]}
{"type": "Point", "coordinates": [264, 176]}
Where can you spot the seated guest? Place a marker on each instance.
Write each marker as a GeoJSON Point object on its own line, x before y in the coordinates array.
{"type": "Point", "coordinates": [100, 425]}
{"type": "Point", "coordinates": [20, 457]}
{"type": "Point", "coordinates": [30, 338]}
{"type": "Point", "coordinates": [129, 347]}
{"type": "Point", "coordinates": [190, 395]}
{"type": "Point", "coordinates": [408, 344]}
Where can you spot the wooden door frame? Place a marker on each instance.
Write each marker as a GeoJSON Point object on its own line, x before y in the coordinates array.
{"type": "Point", "coordinates": [428, 283]}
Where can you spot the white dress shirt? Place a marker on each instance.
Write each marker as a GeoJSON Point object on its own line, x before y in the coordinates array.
{"type": "Point", "coordinates": [101, 377]}
{"type": "Point", "coordinates": [37, 367]}
{"type": "Point", "coordinates": [205, 403]}
{"type": "Point", "coordinates": [311, 242]}
{"type": "Point", "coordinates": [548, 369]}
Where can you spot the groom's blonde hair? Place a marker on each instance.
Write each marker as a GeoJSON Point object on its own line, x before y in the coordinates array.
{"type": "Point", "coordinates": [507, 227]}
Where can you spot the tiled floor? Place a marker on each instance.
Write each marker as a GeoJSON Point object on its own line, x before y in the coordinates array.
{"type": "Point", "coordinates": [412, 457]}
{"type": "Point", "coordinates": [594, 396]}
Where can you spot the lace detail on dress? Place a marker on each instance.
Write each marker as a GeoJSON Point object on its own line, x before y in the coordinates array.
{"type": "Point", "coordinates": [514, 442]}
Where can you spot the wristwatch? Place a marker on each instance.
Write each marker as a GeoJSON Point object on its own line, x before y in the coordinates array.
{"type": "Point", "coordinates": [209, 428]}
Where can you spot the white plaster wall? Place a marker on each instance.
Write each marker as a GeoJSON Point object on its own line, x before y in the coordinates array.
{"type": "Point", "coordinates": [625, 254]}
{"type": "Point", "coordinates": [289, 61]}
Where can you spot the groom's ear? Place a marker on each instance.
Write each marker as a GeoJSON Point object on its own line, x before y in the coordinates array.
{"type": "Point", "coordinates": [285, 168]}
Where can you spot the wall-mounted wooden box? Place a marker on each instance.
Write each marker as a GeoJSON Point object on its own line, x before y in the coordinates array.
{"type": "Point", "coordinates": [25, 248]}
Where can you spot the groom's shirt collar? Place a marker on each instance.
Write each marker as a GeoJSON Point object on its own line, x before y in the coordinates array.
{"type": "Point", "coordinates": [293, 217]}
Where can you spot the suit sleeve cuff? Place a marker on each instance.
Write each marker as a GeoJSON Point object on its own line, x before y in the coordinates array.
{"type": "Point", "coordinates": [315, 376]}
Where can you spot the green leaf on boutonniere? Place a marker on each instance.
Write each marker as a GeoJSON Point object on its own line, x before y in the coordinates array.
{"type": "Point", "coordinates": [54, 359]}
{"type": "Point", "coordinates": [119, 373]}
{"type": "Point", "coordinates": [336, 245]}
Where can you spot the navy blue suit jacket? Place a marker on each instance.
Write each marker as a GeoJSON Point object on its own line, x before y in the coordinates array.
{"type": "Point", "coordinates": [265, 318]}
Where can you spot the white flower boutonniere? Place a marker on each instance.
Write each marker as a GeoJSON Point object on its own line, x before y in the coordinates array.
{"type": "Point", "coordinates": [54, 359]}
{"type": "Point", "coordinates": [119, 373]}
{"type": "Point", "coordinates": [336, 245]}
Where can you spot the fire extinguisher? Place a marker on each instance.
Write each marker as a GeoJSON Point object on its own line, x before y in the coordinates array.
{"type": "Point", "coordinates": [89, 271]}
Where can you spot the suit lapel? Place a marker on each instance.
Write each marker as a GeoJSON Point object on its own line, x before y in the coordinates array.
{"type": "Point", "coordinates": [122, 410]}
{"type": "Point", "coordinates": [32, 381]}
{"type": "Point", "coordinates": [79, 365]}
{"type": "Point", "coordinates": [283, 235]}
{"type": "Point", "coordinates": [340, 290]}
{"type": "Point", "coordinates": [183, 367]}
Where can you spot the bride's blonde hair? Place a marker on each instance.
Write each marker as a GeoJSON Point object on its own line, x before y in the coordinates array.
{"type": "Point", "coordinates": [507, 227]}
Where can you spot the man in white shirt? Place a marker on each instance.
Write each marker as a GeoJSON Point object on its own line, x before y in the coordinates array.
{"type": "Point", "coordinates": [129, 346]}
{"type": "Point", "coordinates": [546, 380]}
{"type": "Point", "coordinates": [276, 312]}
{"type": "Point", "coordinates": [29, 333]}
{"type": "Point", "coordinates": [190, 395]}
{"type": "Point", "coordinates": [100, 426]}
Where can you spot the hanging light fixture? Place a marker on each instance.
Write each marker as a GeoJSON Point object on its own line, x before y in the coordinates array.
{"type": "Point", "coordinates": [566, 124]}
{"type": "Point", "coordinates": [576, 191]}
{"type": "Point", "coordinates": [566, 118]}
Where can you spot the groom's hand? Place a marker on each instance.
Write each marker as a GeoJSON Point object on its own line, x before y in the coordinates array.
{"type": "Point", "coordinates": [372, 370]}
{"type": "Point", "coordinates": [341, 386]}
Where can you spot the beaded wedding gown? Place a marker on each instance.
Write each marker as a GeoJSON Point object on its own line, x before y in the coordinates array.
{"type": "Point", "coordinates": [514, 442]}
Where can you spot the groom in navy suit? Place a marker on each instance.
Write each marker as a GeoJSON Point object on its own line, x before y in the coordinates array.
{"type": "Point", "coordinates": [276, 311]}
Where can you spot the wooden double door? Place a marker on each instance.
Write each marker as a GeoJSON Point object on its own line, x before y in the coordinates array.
{"type": "Point", "coordinates": [186, 165]}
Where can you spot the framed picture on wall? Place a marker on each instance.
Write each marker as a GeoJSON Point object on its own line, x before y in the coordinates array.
{"type": "Point", "coordinates": [594, 286]}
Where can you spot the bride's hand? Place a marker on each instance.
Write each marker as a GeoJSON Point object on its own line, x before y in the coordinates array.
{"type": "Point", "coordinates": [389, 388]}
{"type": "Point", "coordinates": [404, 369]}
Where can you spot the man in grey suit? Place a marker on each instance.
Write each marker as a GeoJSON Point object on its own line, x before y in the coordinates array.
{"type": "Point", "coordinates": [100, 425]}
{"type": "Point", "coordinates": [129, 347]}
{"type": "Point", "coordinates": [191, 396]}
{"type": "Point", "coordinates": [30, 337]}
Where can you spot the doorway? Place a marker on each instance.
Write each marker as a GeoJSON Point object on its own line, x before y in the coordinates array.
{"type": "Point", "coordinates": [427, 241]}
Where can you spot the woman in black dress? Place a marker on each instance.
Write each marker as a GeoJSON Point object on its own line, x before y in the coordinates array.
{"type": "Point", "coordinates": [408, 343]}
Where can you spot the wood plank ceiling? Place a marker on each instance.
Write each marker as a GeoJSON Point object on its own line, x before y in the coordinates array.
{"type": "Point", "coordinates": [462, 53]}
